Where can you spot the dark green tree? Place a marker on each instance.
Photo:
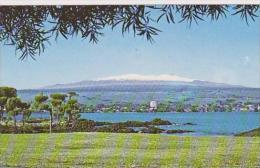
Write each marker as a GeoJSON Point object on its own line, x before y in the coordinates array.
{"type": "Point", "coordinates": [26, 111]}
{"type": "Point", "coordinates": [72, 109]}
{"type": "Point", "coordinates": [8, 92]}
{"type": "Point", "coordinates": [13, 108]}
{"type": "Point", "coordinates": [212, 107]}
{"type": "Point", "coordinates": [5, 94]}
{"type": "Point", "coordinates": [194, 107]}
{"type": "Point", "coordinates": [72, 94]}
{"type": "Point", "coordinates": [40, 104]}
{"type": "Point", "coordinates": [58, 106]}
{"type": "Point", "coordinates": [163, 107]}
{"type": "Point", "coordinates": [3, 101]}
{"type": "Point", "coordinates": [180, 106]}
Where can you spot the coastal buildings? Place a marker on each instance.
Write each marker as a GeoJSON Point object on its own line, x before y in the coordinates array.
{"type": "Point", "coordinates": [153, 106]}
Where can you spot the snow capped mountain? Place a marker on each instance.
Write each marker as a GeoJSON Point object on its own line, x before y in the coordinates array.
{"type": "Point", "coordinates": [138, 77]}
{"type": "Point", "coordinates": [135, 81]}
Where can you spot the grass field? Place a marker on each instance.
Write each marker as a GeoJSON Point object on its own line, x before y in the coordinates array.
{"type": "Point", "coordinates": [127, 150]}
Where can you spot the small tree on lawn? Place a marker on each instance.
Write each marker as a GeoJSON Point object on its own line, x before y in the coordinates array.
{"type": "Point", "coordinates": [57, 102]}
{"type": "Point", "coordinates": [26, 111]}
{"type": "Point", "coordinates": [13, 108]}
{"type": "Point", "coordinates": [3, 101]}
{"type": "Point", "coordinates": [5, 94]}
{"type": "Point", "coordinates": [72, 109]}
{"type": "Point", "coordinates": [40, 103]}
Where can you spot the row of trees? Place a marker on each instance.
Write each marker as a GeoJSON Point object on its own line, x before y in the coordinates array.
{"type": "Point", "coordinates": [59, 106]}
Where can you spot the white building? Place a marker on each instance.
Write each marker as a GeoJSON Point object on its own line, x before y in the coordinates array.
{"type": "Point", "coordinates": [251, 107]}
{"type": "Point", "coordinates": [153, 105]}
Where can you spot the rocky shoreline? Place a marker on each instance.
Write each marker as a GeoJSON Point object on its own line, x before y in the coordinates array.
{"type": "Point", "coordinates": [84, 125]}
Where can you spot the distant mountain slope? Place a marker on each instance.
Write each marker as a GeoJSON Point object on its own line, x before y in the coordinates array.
{"type": "Point", "coordinates": [137, 83]}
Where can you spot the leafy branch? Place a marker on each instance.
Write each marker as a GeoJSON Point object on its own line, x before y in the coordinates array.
{"type": "Point", "coordinates": [29, 28]}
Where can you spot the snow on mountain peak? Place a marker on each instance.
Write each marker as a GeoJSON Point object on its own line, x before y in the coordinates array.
{"type": "Point", "coordinates": [138, 77]}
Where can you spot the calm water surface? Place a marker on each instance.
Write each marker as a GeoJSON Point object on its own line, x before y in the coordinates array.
{"type": "Point", "coordinates": [211, 123]}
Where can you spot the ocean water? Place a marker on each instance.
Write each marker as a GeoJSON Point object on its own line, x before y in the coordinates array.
{"type": "Point", "coordinates": [210, 123]}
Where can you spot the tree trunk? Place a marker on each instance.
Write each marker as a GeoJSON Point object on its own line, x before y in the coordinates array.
{"type": "Point", "coordinates": [15, 128]}
{"type": "Point", "coordinates": [23, 122]}
{"type": "Point", "coordinates": [69, 121]}
{"type": "Point", "coordinates": [1, 113]}
{"type": "Point", "coordinates": [50, 122]}
{"type": "Point", "coordinates": [23, 119]}
{"type": "Point", "coordinates": [69, 117]}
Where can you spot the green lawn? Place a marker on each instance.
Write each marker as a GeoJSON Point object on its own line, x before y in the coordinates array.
{"type": "Point", "coordinates": [127, 150]}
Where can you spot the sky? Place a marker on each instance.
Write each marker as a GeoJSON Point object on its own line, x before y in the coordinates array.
{"type": "Point", "coordinates": [226, 51]}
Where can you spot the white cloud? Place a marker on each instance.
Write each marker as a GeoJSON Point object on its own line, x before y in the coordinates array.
{"type": "Point", "coordinates": [162, 77]}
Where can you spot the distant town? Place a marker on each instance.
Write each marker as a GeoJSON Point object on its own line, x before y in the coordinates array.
{"type": "Point", "coordinates": [230, 105]}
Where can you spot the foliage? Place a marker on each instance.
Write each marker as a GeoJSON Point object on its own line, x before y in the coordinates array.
{"type": "Point", "coordinates": [29, 28]}
{"type": "Point", "coordinates": [26, 111]}
{"type": "Point", "coordinates": [247, 103]}
{"type": "Point", "coordinates": [58, 96]}
{"type": "Point", "coordinates": [89, 108]}
{"type": "Point", "coordinates": [231, 100]}
{"type": "Point", "coordinates": [72, 94]}
{"type": "Point", "coordinates": [44, 107]}
{"type": "Point", "coordinates": [115, 128]}
{"type": "Point", "coordinates": [40, 98]}
{"type": "Point", "coordinates": [152, 130]}
{"type": "Point", "coordinates": [177, 131]}
{"type": "Point", "coordinates": [40, 104]}
{"type": "Point", "coordinates": [212, 107]}
{"type": "Point", "coordinates": [8, 92]}
{"type": "Point", "coordinates": [110, 108]}
{"type": "Point", "coordinates": [127, 107]}
{"type": "Point", "coordinates": [3, 101]}
{"type": "Point", "coordinates": [194, 107]}
{"type": "Point", "coordinates": [142, 107]}
{"type": "Point", "coordinates": [84, 125]}
{"type": "Point", "coordinates": [158, 121]}
{"type": "Point", "coordinates": [162, 107]}
{"type": "Point", "coordinates": [13, 108]}
{"type": "Point", "coordinates": [12, 105]}
{"type": "Point", "coordinates": [39, 101]}
{"type": "Point", "coordinates": [57, 102]}
{"type": "Point", "coordinates": [251, 133]}
{"type": "Point", "coordinates": [180, 106]}
{"type": "Point", "coordinates": [5, 94]}
{"type": "Point", "coordinates": [72, 108]}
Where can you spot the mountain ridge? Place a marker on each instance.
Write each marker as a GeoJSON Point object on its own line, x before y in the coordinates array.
{"type": "Point", "coordinates": [131, 83]}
